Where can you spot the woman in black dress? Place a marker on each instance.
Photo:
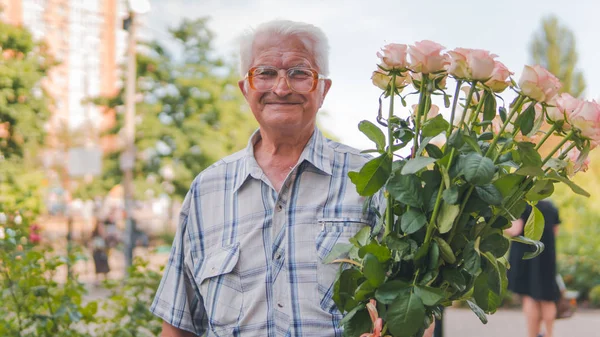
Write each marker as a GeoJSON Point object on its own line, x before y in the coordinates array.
{"type": "Point", "coordinates": [99, 252]}
{"type": "Point", "coordinates": [535, 279]}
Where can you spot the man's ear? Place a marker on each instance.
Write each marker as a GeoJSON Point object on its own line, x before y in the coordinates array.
{"type": "Point", "coordinates": [325, 89]}
{"type": "Point", "coordinates": [242, 85]}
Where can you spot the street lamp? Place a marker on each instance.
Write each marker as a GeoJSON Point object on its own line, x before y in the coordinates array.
{"type": "Point", "coordinates": [127, 162]}
{"type": "Point", "coordinates": [168, 175]}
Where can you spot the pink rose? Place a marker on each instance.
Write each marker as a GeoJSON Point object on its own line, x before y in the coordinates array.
{"type": "Point", "coordinates": [382, 80]}
{"type": "Point", "coordinates": [426, 57]}
{"type": "Point", "coordinates": [539, 84]}
{"type": "Point", "coordinates": [35, 238]}
{"type": "Point", "coordinates": [586, 118]}
{"type": "Point", "coordinates": [434, 110]}
{"type": "Point", "coordinates": [439, 79]}
{"type": "Point", "coordinates": [393, 56]}
{"type": "Point", "coordinates": [579, 162]}
{"type": "Point", "coordinates": [471, 64]}
{"type": "Point", "coordinates": [499, 80]}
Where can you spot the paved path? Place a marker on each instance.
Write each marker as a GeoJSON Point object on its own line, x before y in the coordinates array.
{"type": "Point", "coordinates": [511, 323]}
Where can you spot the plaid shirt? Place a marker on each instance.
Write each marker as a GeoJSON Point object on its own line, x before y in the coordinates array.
{"type": "Point", "coordinates": [247, 261]}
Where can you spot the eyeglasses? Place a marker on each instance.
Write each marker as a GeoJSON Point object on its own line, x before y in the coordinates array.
{"type": "Point", "coordinates": [300, 80]}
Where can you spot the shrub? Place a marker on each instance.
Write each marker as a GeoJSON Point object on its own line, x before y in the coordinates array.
{"type": "Point", "coordinates": [595, 296]}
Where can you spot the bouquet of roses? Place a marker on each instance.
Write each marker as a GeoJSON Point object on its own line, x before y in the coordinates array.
{"type": "Point", "coordinates": [458, 182]}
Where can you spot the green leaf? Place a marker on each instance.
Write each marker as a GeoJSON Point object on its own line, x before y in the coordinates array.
{"type": "Point", "coordinates": [538, 245]}
{"type": "Point", "coordinates": [351, 313]}
{"type": "Point", "coordinates": [478, 312]}
{"type": "Point", "coordinates": [540, 190]}
{"type": "Point", "coordinates": [382, 253]}
{"type": "Point", "coordinates": [494, 276]}
{"type": "Point", "coordinates": [489, 193]}
{"type": "Point", "coordinates": [486, 136]}
{"type": "Point", "coordinates": [406, 189]}
{"type": "Point", "coordinates": [507, 185]}
{"type": "Point", "coordinates": [337, 250]}
{"type": "Point", "coordinates": [446, 217]}
{"type": "Point", "coordinates": [387, 292]}
{"type": "Point", "coordinates": [527, 154]}
{"type": "Point", "coordinates": [496, 244]}
{"type": "Point", "coordinates": [534, 171]}
{"type": "Point", "coordinates": [416, 164]}
{"type": "Point", "coordinates": [373, 132]}
{"type": "Point", "coordinates": [456, 139]}
{"type": "Point", "coordinates": [399, 244]}
{"type": "Point", "coordinates": [372, 176]}
{"type": "Point", "coordinates": [435, 126]}
{"type": "Point", "coordinates": [502, 113]}
{"type": "Point", "coordinates": [526, 119]}
{"type": "Point", "coordinates": [445, 250]}
{"type": "Point", "coordinates": [450, 195]}
{"type": "Point", "coordinates": [412, 221]}
{"type": "Point", "coordinates": [434, 151]}
{"type": "Point", "coordinates": [574, 187]}
{"type": "Point", "coordinates": [434, 256]}
{"type": "Point", "coordinates": [478, 170]}
{"type": "Point", "coordinates": [534, 227]}
{"type": "Point", "coordinates": [360, 322]}
{"type": "Point", "coordinates": [405, 316]}
{"type": "Point", "coordinates": [430, 296]}
{"type": "Point", "coordinates": [472, 259]}
{"type": "Point", "coordinates": [345, 287]}
{"type": "Point", "coordinates": [454, 278]}
{"type": "Point", "coordinates": [361, 238]}
{"type": "Point", "coordinates": [373, 270]}
{"type": "Point", "coordinates": [472, 143]}
{"type": "Point", "coordinates": [489, 107]}
{"type": "Point", "coordinates": [364, 292]}
{"type": "Point", "coordinates": [486, 299]}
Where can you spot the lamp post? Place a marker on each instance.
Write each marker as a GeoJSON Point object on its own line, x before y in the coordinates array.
{"type": "Point", "coordinates": [127, 162]}
{"type": "Point", "coordinates": [168, 174]}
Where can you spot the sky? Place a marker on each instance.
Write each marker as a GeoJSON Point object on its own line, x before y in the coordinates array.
{"type": "Point", "coordinates": [358, 29]}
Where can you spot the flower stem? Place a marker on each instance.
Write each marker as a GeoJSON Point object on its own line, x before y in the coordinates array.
{"type": "Point", "coordinates": [479, 106]}
{"type": "Point", "coordinates": [546, 136]}
{"type": "Point", "coordinates": [566, 151]}
{"type": "Point", "coordinates": [557, 147]}
{"type": "Point", "coordinates": [438, 200]}
{"type": "Point", "coordinates": [467, 103]}
{"type": "Point", "coordinates": [514, 110]}
{"type": "Point", "coordinates": [420, 110]}
{"type": "Point", "coordinates": [389, 211]}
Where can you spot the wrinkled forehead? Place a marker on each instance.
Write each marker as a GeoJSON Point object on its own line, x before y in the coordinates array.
{"type": "Point", "coordinates": [281, 51]}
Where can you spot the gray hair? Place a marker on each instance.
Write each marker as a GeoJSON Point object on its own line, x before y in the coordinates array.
{"type": "Point", "coordinates": [312, 37]}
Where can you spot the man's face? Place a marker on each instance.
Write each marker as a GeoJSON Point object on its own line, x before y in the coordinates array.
{"type": "Point", "coordinates": [282, 109]}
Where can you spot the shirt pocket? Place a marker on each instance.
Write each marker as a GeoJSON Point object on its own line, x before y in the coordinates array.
{"type": "Point", "coordinates": [221, 288]}
{"type": "Point", "coordinates": [332, 231]}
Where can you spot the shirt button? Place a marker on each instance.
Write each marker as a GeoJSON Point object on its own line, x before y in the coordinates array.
{"type": "Point", "coordinates": [280, 305]}
{"type": "Point", "coordinates": [279, 207]}
{"type": "Point", "coordinates": [277, 256]}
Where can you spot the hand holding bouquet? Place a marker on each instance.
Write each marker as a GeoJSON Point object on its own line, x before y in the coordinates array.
{"type": "Point", "coordinates": [466, 177]}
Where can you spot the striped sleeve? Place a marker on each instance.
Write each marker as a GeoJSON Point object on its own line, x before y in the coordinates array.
{"type": "Point", "coordinates": [177, 300]}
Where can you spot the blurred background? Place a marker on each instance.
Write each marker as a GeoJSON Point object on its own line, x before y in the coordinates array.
{"type": "Point", "coordinates": [110, 108]}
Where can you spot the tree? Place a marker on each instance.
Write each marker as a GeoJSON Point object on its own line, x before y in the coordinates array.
{"type": "Point", "coordinates": [191, 114]}
{"type": "Point", "coordinates": [554, 47]}
{"type": "Point", "coordinates": [23, 114]}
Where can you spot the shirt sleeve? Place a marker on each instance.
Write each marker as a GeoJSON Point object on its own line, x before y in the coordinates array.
{"type": "Point", "coordinates": [177, 300]}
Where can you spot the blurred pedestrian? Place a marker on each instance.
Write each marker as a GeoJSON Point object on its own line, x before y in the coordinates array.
{"type": "Point", "coordinates": [100, 252]}
{"type": "Point", "coordinates": [535, 279]}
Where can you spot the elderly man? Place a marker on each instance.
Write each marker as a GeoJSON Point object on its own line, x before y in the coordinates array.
{"type": "Point", "coordinates": [255, 226]}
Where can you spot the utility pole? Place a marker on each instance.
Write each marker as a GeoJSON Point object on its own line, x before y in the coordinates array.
{"type": "Point", "coordinates": [128, 158]}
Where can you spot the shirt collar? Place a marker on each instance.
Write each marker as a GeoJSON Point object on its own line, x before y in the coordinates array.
{"type": "Point", "coordinates": [317, 152]}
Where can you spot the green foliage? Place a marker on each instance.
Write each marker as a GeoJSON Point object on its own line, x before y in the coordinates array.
{"type": "Point", "coordinates": [595, 296]}
{"type": "Point", "coordinates": [443, 239]}
{"type": "Point", "coordinates": [554, 48]}
{"type": "Point", "coordinates": [23, 102]}
{"type": "Point", "coordinates": [33, 302]}
{"type": "Point", "coordinates": [192, 113]}
{"type": "Point", "coordinates": [129, 303]}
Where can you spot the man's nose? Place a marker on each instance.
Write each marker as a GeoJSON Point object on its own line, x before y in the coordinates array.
{"type": "Point", "coordinates": [281, 87]}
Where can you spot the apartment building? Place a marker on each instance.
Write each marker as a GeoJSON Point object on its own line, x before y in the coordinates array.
{"type": "Point", "coordinates": [87, 38]}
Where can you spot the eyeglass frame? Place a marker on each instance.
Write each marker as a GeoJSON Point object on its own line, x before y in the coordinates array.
{"type": "Point", "coordinates": [316, 78]}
